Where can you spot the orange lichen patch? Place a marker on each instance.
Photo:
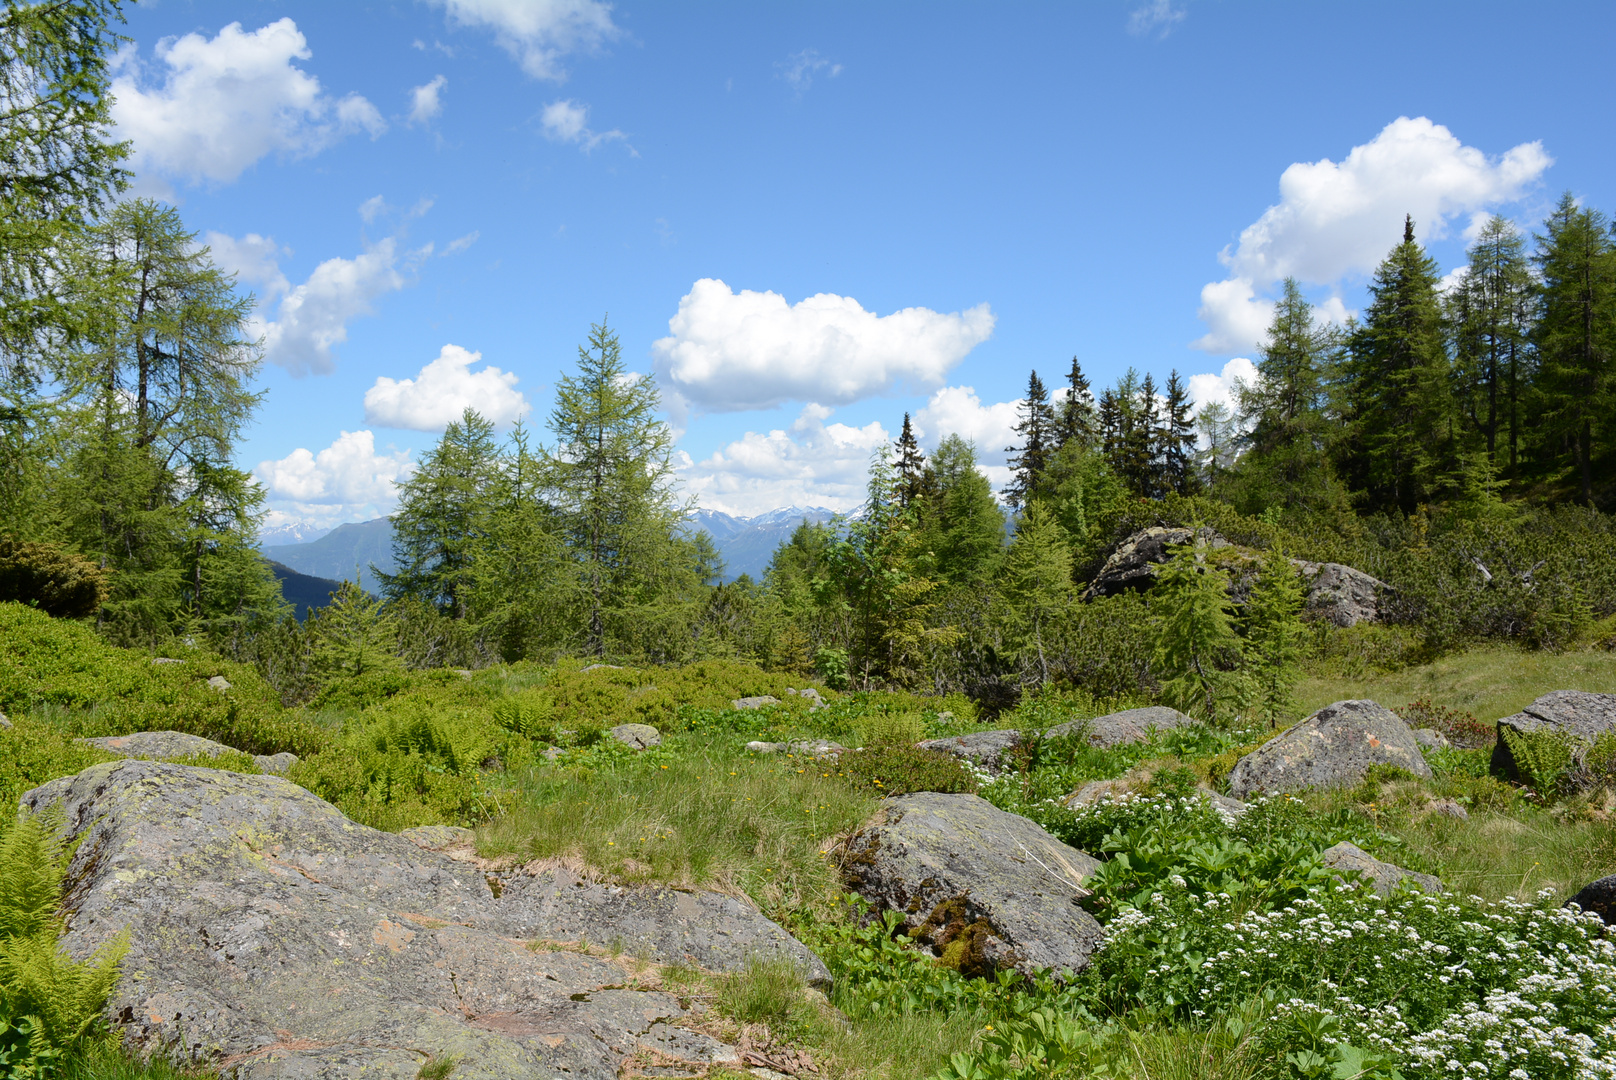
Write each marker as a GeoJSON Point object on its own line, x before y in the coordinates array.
{"type": "Point", "coordinates": [392, 935]}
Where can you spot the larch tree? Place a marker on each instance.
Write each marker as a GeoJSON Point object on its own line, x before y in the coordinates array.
{"type": "Point", "coordinates": [611, 481]}
{"type": "Point", "coordinates": [1576, 337]}
{"type": "Point", "coordinates": [1492, 313]}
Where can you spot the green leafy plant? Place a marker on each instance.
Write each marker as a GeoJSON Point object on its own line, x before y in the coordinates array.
{"type": "Point", "coordinates": [51, 1003]}
{"type": "Point", "coordinates": [1542, 757]}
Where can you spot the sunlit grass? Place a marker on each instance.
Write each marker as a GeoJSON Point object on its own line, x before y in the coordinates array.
{"type": "Point", "coordinates": [1488, 682]}
{"type": "Point", "coordinates": [702, 816]}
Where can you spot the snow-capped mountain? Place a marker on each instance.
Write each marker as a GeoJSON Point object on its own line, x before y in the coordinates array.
{"type": "Point", "coordinates": [747, 543]}
{"type": "Point", "coordinates": [291, 532]}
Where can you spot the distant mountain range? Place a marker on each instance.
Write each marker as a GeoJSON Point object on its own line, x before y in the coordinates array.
{"type": "Point", "coordinates": [347, 552]}
{"type": "Point", "coordinates": [747, 543]}
{"type": "Point", "coordinates": [303, 592]}
{"type": "Point", "coordinates": [343, 554]}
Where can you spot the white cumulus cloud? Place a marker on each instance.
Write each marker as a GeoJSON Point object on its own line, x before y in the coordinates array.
{"type": "Point", "coordinates": [348, 480]}
{"type": "Point", "coordinates": [443, 390]}
{"type": "Point", "coordinates": [220, 105]}
{"type": "Point", "coordinates": [810, 464]}
{"type": "Point", "coordinates": [313, 317]}
{"type": "Point", "coordinates": [426, 101]}
{"type": "Point", "coordinates": [538, 32]}
{"type": "Point", "coordinates": [568, 122]}
{"type": "Point", "coordinates": [253, 259]}
{"type": "Point", "coordinates": [956, 410]}
{"type": "Point", "coordinates": [731, 351]}
{"type": "Point", "coordinates": [1220, 386]}
{"type": "Point", "coordinates": [1336, 219]}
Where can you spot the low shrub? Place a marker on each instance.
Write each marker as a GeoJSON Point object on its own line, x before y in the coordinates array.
{"type": "Point", "coordinates": [885, 770]}
{"type": "Point", "coordinates": [58, 582]}
{"type": "Point", "coordinates": [1461, 728]}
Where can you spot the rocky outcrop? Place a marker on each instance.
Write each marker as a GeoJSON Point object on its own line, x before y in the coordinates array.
{"type": "Point", "coordinates": [1598, 897]}
{"type": "Point", "coordinates": [1129, 726]}
{"type": "Point", "coordinates": [986, 750]}
{"type": "Point", "coordinates": [1335, 593]}
{"type": "Point", "coordinates": [810, 695]}
{"type": "Point", "coordinates": [276, 938]}
{"type": "Point", "coordinates": [639, 736]}
{"type": "Point", "coordinates": [813, 748]}
{"type": "Point", "coordinates": [166, 745]}
{"type": "Point", "coordinates": [1133, 564]}
{"type": "Point", "coordinates": [1340, 594]}
{"type": "Point", "coordinates": [757, 702]}
{"type": "Point", "coordinates": [985, 889]}
{"type": "Point", "coordinates": [1579, 718]}
{"type": "Point", "coordinates": [1383, 876]}
{"type": "Point", "coordinates": [1332, 748]}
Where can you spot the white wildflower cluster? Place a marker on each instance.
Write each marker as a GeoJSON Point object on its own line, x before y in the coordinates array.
{"type": "Point", "coordinates": [1402, 975]}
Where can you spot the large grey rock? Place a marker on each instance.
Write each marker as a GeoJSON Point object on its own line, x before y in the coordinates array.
{"type": "Point", "coordinates": [1133, 564]}
{"type": "Point", "coordinates": [986, 889]}
{"type": "Point", "coordinates": [754, 702]}
{"type": "Point", "coordinates": [219, 683]}
{"type": "Point", "coordinates": [1598, 897]}
{"type": "Point", "coordinates": [987, 750]}
{"type": "Point", "coordinates": [1385, 877]}
{"type": "Point", "coordinates": [639, 736]}
{"type": "Point", "coordinates": [1431, 738]}
{"type": "Point", "coordinates": [161, 745]}
{"type": "Point", "coordinates": [1129, 726]}
{"type": "Point", "coordinates": [273, 935]}
{"type": "Point", "coordinates": [1332, 748]}
{"type": "Point", "coordinates": [1341, 594]}
{"type": "Point", "coordinates": [1336, 593]}
{"type": "Point", "coordinates": [1581, 718]}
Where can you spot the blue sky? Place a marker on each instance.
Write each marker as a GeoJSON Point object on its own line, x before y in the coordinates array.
{"type": "Point", "coordinates": [806, 219]}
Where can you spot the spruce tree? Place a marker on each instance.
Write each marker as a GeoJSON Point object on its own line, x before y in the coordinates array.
{"type": "Point", "coordinates": [1036, 427]}
{"type": "Point", "coordinates": [965, 529]}
{"type": "Point", "coordinates": [1576, 340]}
{"type": "Point", "coordinates": [1075, 420]}
{"type": "Point", "coordinates": [1287, 464]}
{"type": "Point", "coordinates": [910, 464]}
{"type": "Point", "coordinates": [1398, 386]}
{"type": "Point", "coordinates": [1178, 439]}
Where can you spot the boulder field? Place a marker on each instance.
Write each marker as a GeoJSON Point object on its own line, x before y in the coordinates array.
{"type": "Point", "coordinates": [272, 936]}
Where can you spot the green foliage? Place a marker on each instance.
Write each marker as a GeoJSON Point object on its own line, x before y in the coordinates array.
{"type": "Point", "coordinates": [353, 636]}
{"type": "Point", "coordinates": [1271, 620]}
{"type": "Point", "coordinates": [45, 576]}
{"type": "Point", "coordinates": [1196, 633]}
{"type": "Point", "coordinates": [900, 769]}
{"type": "Point", "coordinates": [1542, 757]}
{"type": "Point", "coordinates": [882, 727]}
{"type": "Point", "coordinates": [60, 999]}
{"type": "Point", "coordinates": [1459, 727]}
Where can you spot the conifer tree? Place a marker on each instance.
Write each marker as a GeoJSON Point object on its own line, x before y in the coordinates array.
{"type": "Point", "coordinates": [1196, 632]}
{"type": "Point", "coordinates": [1036, 427]}
{"type": "Point", "coordinates": [1178, 439]}
{"type": "Point", "coordinates": [1075, 420]}
{"type": "Point", "coordinates": [443, 511]}
{"type": "Point", "coordinates": [611, 480]}
{"type": "Point", "coordinates": [1037, 586]}
{"type": "Point", "coordinates": [910, 465]}
{"type": "Point", "coordinates": [1398, 385]}
{"type": "Point", "coordinates": [1576, 340]}
{"type": "Point", "coordinates": [1219, 443]}
{"type": "Point", "coordinates": [1287, 464]}
{"type": "Point", "coordinates": [353, 635]}
{"type": "Point", "coordinates": [966, 528]}
{"type": "Point", "coordinates": [1492, 312]}
{"type": "Point", "coordinates": [1273, 629]}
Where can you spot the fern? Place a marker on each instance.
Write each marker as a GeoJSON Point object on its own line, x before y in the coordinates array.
{"type": "Point", "coordinates": [1542, 757]}
{"type": "Point", "coordinates": [49, 1002]}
